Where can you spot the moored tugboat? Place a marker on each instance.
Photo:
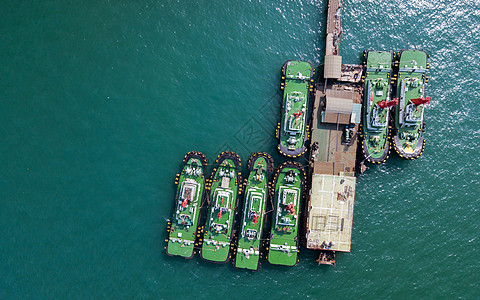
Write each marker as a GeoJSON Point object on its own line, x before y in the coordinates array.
{"type": "Point", "coordinates": [224, 191]}
{"type": "Point", "coordinates": [292, 131]}
{"type": "Point", "coordinates": [289, 184]}
{"type": "Point", "coordinates": [408, 138]}
{"type": "Point", "coordinates": [256, 195]}
{"type": "Point", "coordinates": [376, 106]}
{"type": "Point", "coordinates": [191, 185]}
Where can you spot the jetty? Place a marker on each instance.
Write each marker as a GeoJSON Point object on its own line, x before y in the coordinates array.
{"type": "Point", "coordinates": [333, 148]}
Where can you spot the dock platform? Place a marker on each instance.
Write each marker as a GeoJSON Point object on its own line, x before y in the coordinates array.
{"type": "Point", "coordinates": [333, 148]}
{"type": "Point", "coordinates": [330, 215]}
{"type": "Point", "coordinates": [333, 158]}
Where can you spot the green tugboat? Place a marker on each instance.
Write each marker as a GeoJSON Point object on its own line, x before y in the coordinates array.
{"type": "Point", "coordinates": [256, 195]}
{"type": "Point", "coordinates": [224, 191]}
{"type": "Point", "coordinates": [191, 182]}
{"type": "Point", "coordinates": [376, 106]}
{"type": "Point", "coordinates": [289, 184]}
{"type": "Point", "coordinates": [408, 138]}
{"type": "Point", "coordinates": [292, 131]}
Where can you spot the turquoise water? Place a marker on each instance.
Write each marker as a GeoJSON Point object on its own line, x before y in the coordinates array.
{"type": "Point", "coordinates": [100, 100]}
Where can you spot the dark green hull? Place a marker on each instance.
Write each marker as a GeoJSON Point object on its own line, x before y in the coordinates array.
{"type": "Point", "coordinates": [408, 140]}
{"type": "Point", "coordinates": [191, 186]}
{"type": "Point", "coordinates": [292, 131]}
{"type": "Point", "coordinates": [224, 193]}
{"type": "Point", "coordinates": [289, 185]}
{"type": "Point", "coordinates": [376, 106]}
{"type": "Point", "coordinates": [255, 200]}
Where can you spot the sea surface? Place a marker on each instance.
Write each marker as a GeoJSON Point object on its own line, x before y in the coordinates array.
{"type": "Point", "coordinates": [100, 101]}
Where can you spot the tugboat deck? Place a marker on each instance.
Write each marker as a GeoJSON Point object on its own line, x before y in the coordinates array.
{"type": "Point", "coordinates": [291, 131]}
